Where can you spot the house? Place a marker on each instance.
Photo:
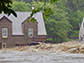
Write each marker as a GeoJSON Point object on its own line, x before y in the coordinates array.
{"type": "Point", "coordinates": [81, 32]}
{"type": "Point", "coordinates": [16, 31]}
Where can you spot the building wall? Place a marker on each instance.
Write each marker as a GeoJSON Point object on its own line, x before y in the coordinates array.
{"type": "Point", "coordinates": [4, 22]}
{"type": "Point", "coordinates": [25, 27]}
{"type": "Point", "coordinates": [0, 45]}
{"type": "Point", "coordinates": [12, 40]}
{"type": "Point", "coordinates": [36, 37]}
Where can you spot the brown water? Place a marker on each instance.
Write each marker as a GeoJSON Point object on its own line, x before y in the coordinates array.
{"type": "Point", "coordinates": [40, 57]}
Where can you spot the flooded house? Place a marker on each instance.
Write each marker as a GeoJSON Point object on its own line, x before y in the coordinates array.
{"type": "Point", "coordinates": [15, 31]}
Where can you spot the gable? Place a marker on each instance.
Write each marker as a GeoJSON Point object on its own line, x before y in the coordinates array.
{"type": "Point", "coordinates": [5, 19]}
{"type": "Point", "coordinates": [25, 21]}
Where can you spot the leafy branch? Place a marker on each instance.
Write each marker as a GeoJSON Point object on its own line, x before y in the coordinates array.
{"type": "Point", "coordinates": [6, 7]}
{"type": "Point", "coordinates": [47, 11]}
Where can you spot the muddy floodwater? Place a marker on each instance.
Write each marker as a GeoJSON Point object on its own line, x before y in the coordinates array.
{"type": "Point", "coordinates": [40, 57]}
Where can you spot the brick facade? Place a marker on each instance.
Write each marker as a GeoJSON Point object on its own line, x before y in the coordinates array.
{"type": "Point", "coordinates": [12, 40]}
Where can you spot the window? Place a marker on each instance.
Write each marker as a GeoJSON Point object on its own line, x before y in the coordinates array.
{"type": "Point", "coordinates": [3, 45]}
{"type": "Point", "coordinates": [16, 44]}
{"type": "Point", "coordinates": [30, 32]}
{"type": "Point", "coordinates": [4, 32]}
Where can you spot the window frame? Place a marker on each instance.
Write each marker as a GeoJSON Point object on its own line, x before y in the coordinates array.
{"type": "Point", "coordinates": [30, 31]}
{"type": "Point", "coordinates": [6, 33]}
{"type": "Point", "coordinates": [4, 44]}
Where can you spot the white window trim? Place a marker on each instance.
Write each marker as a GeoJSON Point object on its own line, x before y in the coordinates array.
{"type": "Point", "coordinates": [3, 44]}
{"type": "Point", "coordinates": [28, 33]}
{"type": "Point", "coordinates": [6, 32]}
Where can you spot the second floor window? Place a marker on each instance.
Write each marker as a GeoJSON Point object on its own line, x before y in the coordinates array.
{"type": "Point", "coordinates": [30, 32]}
{"type": "Point", "coordinates": [4, 32]}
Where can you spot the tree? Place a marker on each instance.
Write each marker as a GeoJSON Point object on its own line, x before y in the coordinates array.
{"type": "Point", "coordinates": [26, 1]}
{"type": "Point", "coordinates": [57, 24]}
{"type": "Point", "coordinates": [6, 7]}
{"type": "Point", "coordinates": [21, 6]}
{"type": "Point", "coordinates": [74, 4]}
{"type": "Point", "coordinates": [75, 13]}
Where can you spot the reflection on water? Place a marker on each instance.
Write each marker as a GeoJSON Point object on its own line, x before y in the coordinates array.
{"type": "Point", "coordinates": [40, 57]}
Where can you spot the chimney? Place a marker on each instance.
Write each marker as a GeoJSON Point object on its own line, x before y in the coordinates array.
{"type": "Point", "coordinates": [32, 7]}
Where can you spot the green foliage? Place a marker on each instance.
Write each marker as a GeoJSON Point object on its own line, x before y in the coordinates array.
{"type": "Point", "coordinates": [49, 39]}
{"type": "Point", "coordinates": [21, 6]}
{"type": "Point", "coordinates": [75, 14]}
{"type": "Point", "coordinates": [32, 20]}
{"type": "Point", "coordinates": [52, 1]}
{"type": "Point", "coordinates": [47, 12]}
{"type": "Point", "coordinates": [6, 7]}
{"type": "Point", "coordinates": [46, 9]}
{"type": "Point", "coordinates": [26, 1]}
{"type": "Point", "coordinates": [57, 25]}
{"type": "Point", "coordinates": [74, 4]}
{"type": "Point", "coordinates": [34, 11]}
{"type": "Point", "coordinates": [74, 33]}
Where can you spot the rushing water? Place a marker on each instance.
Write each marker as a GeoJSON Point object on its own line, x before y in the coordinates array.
{"type": "Point", "coordinates": [40, 57]}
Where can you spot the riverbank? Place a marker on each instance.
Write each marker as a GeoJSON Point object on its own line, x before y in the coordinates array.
{"type": "Point", "coordinates": [67, 47]}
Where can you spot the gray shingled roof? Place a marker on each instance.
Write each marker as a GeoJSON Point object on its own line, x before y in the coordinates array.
{"type": "Point", "coordinates": [21, 16]}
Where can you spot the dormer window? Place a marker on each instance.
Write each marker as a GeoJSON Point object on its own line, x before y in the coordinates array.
{"type": "Point", "coordinates": [4, 32]}
{"type": "Point", "coordinates": [30, 32]}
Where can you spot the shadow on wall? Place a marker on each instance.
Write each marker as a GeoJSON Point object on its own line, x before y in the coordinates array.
{"type": "Point", "coordinates": [26, 44]}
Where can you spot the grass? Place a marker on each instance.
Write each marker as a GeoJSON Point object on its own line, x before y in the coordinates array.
{"type": "Point", "coordinates": [49, 39]}
{"type": "Point", "coordinates": [72, 39]}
